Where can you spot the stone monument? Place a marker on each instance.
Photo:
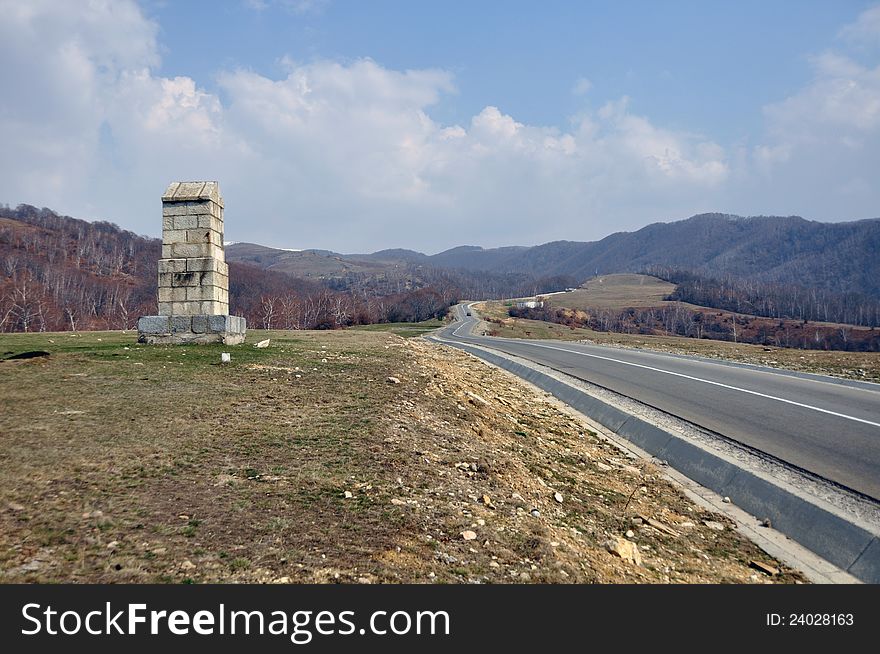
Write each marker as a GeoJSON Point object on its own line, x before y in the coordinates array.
{"type": "Point", "coordinates": [193, 274]}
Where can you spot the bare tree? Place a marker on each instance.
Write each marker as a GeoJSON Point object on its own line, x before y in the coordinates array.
{"type": "Point", "coordinates": [267, 308]}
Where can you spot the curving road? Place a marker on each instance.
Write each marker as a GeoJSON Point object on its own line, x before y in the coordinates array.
{"type": "Point", "coordinates": [828, 426]}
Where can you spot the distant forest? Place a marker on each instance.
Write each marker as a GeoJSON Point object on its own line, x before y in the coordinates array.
{"type": "Point", "coordinates": [770, 299]}
{"type": "Point", "coordinates": [59, 273]}
{"type": "Point", "coordinates": [679, 319]}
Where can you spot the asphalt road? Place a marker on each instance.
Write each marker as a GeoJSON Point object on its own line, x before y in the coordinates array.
{"type": "Point", "coordinates": [827, 426]}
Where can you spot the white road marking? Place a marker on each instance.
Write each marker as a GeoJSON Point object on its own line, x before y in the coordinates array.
{"type": "Point", "coordinates": [697, 379]}
{"type": "Point", "coordinates": [706, 381]}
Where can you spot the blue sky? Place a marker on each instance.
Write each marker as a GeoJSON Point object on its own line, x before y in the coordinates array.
{"type": "Point", "coordinates": [698, 65]}
{"type": "Point", "coordinates": [355, 126]}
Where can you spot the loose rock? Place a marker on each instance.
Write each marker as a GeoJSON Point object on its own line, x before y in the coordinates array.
{"type": "Point", "coordinates": [626, 550]}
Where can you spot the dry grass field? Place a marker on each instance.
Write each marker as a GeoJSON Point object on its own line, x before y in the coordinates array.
{"type": "Point", "coordinates": [616, 292]}
{"type": "Point", "coordinates": [304, 462]}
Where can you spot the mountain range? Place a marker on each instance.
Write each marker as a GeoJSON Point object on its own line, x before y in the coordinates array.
{"type": "Point", "coordinates": [840, 257]}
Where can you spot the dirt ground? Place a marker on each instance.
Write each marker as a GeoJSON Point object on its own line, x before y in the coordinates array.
{"type": "Point", "coordinates": [353, 457]}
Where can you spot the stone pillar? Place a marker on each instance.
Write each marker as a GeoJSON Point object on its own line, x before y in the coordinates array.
{"type": "Point", "coordinates": [193, 274]}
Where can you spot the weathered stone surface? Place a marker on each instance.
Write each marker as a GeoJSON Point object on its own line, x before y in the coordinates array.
{"type": "Point", "coordinates": [196, 250]}
{"type": "Point", "coordinates": [181, 324]}
{"type": "Point", "coordinates": [168, 294]}
{"type": "Point", "coordinates": [171, 265]}
{"type": "Point", "coordinates": [219, 323]}
{"type": "Point", "coordinates": [207, 263]}
{"type": "Point", "coordinates": [200, 324]}
{"type": "Point", "coordinates": [205, 293]}
{"type": "Point", "coordinates": [190, 191]}
{"type": "Point", "coordinates": [210, 222]}
{"type": "Point", "coordinates": [200, 333]}
{"type": "Point", "coordinates": [186, 222]}
{"type": "Point", "coordinates": [193, 288]}
{"type": "Point", "coordinates": [154, 324]}
{"type": "Point", "coordinates": [213, 308]}
{"type": "Point", "coordinates": [172, 236]}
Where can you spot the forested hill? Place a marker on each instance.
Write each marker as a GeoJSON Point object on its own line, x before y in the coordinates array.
{"type": "Point", "coordinates": [836, 257]}
{"type": "Point", "coordinates": [60, 273]}
{"type": "Point", "coordinates": [840, 257]}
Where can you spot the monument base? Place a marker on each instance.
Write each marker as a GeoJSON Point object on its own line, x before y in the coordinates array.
{"type": "Point", "coordinates": [200, 329]}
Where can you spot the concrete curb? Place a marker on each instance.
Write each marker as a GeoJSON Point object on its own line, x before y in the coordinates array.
{"type": "Point", "coordinates": [846, 545]}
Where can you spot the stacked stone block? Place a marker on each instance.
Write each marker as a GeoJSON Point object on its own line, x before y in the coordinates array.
{"type": "Point", "coordinates": [193, 274]}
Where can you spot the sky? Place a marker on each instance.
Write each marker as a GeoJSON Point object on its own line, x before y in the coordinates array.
{"type": "Point", "coordinates": [361, 125]}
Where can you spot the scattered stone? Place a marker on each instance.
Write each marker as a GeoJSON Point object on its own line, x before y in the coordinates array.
{"type": "Point", "coordinates": [659, 526]}
{"type": "Point", "coordinates": [630, 533]}
{"type": "Point", "coordinates": [763, 567]}
{"type": "Point", "coordinates": [397, 502]}
{"type": "Point", "coordinates": [604, 467]}
{"type": "Point", "coordinates": [348, 495]}
{"type": "Point", "coordinates": [187, 565]}
{"type": "Point", "coordinates": [263, 344]}
{"type": "Point", "coordinates": [225, 357]}
{"type": "Point", "coordinates": [637, 521]}
{"type": "Point", "coordinates": [469, 535]}
{"type": "Point", "coordinates": [535, 513]}
{"type": "Point", "coordinates": [14, 506]}
{"type": "Point", "coordinates": [626, 550]}
{"type": "Point", "coordinates": [557, 497]}
{"type": "Point", "coordinates": [766, 523]}
{"type": "Point", "coordinates": [487, 501]}
{"type": "Point", "coordinates": [476, 399]}
{"type": "Point", "coordinates": [712, 524]}
{"type": "Point", "coordinates": [31, 566]}
{"type": "Point", "coordinates": [393, 380]}
{"type": "Point", "coordinates": [446, 558]}
{"type": "Point", "coordinates": [726, 500]}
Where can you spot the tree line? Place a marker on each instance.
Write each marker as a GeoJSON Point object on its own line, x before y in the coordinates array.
{"type": "Point", "coordinates": [770, 299]}
{"type": "Point", "coordinates": [58, 273]}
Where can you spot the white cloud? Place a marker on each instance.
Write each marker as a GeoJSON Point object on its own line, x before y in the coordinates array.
{"type": "Point", "coordinates": [842, 100]}
{"type": "Point", "coordinates": [865, 30]}
{"type": "Point", "coordinates": [821, 152]}
{"type": "Point", "coordinates": [294, 6]}
{"type": "Point", "coordinates": [347, 156]}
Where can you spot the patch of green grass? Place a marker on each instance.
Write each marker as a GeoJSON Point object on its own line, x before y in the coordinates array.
{"type": "Point", "coordinates": [404, 329]}
{"type": "Point", "coordinates": [239, 563]}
